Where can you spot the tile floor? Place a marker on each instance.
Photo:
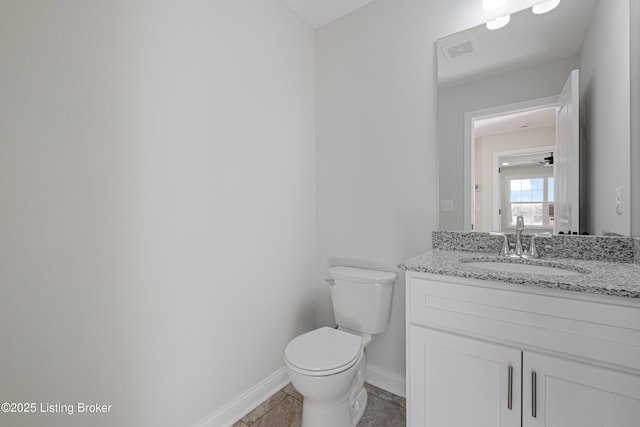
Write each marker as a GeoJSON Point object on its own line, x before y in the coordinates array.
{"type": "Point", "coordinates": [284, 409]}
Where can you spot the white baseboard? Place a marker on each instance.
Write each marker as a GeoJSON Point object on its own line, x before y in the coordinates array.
{"type": "Point", "coordinates": [393, 383]}
{"type": "Point", "coordinates": [247, 401]}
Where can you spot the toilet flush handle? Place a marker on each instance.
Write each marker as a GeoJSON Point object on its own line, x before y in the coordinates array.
{"type": "Point", "coordinates": [330, 281]}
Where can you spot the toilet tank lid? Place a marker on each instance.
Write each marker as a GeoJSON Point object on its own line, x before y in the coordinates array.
{"type": "Point", "coordinates": [362, 275]}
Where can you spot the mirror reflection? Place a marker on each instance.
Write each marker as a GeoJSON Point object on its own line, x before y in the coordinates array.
{"type": "Point", "coordinates": [509, 140]}
{"type": "Point", "coordinates": [514, 170]}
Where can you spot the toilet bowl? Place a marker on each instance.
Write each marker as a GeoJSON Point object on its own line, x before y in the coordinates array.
{"type": "Point", "coordinates": [328, 366]}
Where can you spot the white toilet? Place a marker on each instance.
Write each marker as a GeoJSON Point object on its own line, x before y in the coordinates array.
{"type": "Point", "coordinates": [328, 366]}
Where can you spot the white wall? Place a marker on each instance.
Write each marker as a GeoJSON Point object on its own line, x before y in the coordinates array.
{"type": "Point", "coordinates": [507, 88]}
{"type": "Point", "coordinates": [376, 150]}
{"type": "Point", "coordinates": [486, 146]}
{"type": "Point", "coordinates": [157, 193]}
{"type": "Point", "coordinates": [604, 87]}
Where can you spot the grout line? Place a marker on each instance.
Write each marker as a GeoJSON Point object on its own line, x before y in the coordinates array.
{"type": "Point", "coordinates": [293, 396]}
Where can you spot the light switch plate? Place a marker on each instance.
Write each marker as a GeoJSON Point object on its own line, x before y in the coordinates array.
{"type": "Point", "coordinates": [446, 205]}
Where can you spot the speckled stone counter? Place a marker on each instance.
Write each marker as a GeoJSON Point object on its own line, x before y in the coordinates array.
{"type": "Point", "coordinates": [599, 277]}
{"type": "Point", "coordinates": [618, 275]}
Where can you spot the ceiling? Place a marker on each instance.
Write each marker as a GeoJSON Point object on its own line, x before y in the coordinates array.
{"type": "Point", "coordinates": [317, 13]}
{"type": "Point", "coordinates": [520, 121]}
{"type": "Point", "coordinates": [527, 40]}
{"type": "Point", "coordinates": [540, 158]}
{"type": "Point", "coordinates": [515, 122]}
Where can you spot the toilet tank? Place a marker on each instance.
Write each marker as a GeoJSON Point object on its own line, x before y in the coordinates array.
{"type": "Point", "coordinates": [361, 298]}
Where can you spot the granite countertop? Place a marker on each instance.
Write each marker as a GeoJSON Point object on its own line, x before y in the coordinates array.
{"type": "Point", "coordinates": [598, 277]}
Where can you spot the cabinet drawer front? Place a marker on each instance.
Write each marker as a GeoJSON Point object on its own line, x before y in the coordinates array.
{"type": "Point", "coordinates": [602, 332]}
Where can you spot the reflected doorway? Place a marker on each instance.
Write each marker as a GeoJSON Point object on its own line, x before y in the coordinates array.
{"type": "Point", "coordinates": [513, 162]}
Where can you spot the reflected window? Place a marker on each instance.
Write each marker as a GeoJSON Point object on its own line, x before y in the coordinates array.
{"type": "Point", "coordinates": [531, 197]}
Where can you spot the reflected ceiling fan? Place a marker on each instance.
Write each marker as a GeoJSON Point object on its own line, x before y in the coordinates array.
{"type": "Point", "coordinates": [523, 160]}
{"type": "Point", "coordinates": [547, 161]}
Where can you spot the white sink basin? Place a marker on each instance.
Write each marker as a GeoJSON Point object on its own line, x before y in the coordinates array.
{"type": "Point", "coordinates": [511, 267]}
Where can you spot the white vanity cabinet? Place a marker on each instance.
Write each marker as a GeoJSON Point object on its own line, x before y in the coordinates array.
{"type": "Point", "coordinates": [488, 354]}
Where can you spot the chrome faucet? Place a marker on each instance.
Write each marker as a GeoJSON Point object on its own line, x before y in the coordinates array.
{"type": "Point", "coordinates": [518, 252]}
{"type": "Point", "coordinates": [519, 230]}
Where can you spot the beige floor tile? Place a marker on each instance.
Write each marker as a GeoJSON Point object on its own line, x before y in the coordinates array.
{"type": "Point", "coordinates": [287, 413]}
{"type": "Point", "coordinates": [284, 409]}
{"type": "Point", "coordinates": [264, 407]}
{"type": "Point", "coordinates": [385, 395]}
{"type": "Point", "coordinates": [291, 391]}
{"type": "Point", "coordinates": [382, 413]}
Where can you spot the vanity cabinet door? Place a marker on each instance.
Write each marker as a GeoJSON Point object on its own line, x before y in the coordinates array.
{"type": "Point", "coordinates": [458, 381]}
{"type": "Point", "coordinates": [569, 393]}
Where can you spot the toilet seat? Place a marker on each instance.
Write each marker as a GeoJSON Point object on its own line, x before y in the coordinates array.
{"type": "Point", "coordinates": [323, 351]}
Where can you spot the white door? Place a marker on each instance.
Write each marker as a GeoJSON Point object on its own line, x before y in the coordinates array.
{"type": "Point", "coordinates": [457, 381]}
{"type": "Point", "coordinates": [569, 393]}
{"type": "Point", "coordinates": [566, 158]}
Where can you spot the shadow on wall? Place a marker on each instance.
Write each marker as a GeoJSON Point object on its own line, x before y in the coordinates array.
{"type": "Point", "coordinates": [305, 315]}
{"type": "Point", "coordinates": [586, 214]}
{"type": "Point", "coordinates": [361, 263]}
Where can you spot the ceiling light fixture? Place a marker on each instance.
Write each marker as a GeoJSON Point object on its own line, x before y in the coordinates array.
{"type": "Point", "coordinates": [489, 5]}
{"type": "Point", "coordinates": [545, 6]}
{"type": "Point", "coordinates": [496, 24]}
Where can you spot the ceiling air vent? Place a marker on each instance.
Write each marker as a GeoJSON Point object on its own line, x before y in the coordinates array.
{"type": "Point", "coordinates": [459, 49]}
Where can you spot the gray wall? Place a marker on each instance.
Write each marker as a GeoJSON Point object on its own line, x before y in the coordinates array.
{"type": "Point", "coordinates": [634, 26]}
{"type": "Point", "coordinates": [606, 119]}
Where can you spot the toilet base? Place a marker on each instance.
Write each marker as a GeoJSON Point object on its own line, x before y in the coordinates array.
{"type": "Point", "coordinates": [345, 413]}
{"type": "Point", "coordinates": [358, 405]}
{"type": "Point", "coordinates": [323, 409]}
{"type": "Point", "coordinates": [323, 414]}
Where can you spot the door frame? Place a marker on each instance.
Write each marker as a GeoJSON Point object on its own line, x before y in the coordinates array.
{"type": "Point", "coordinates": [497, 185]}
{"type": "Point", "coordinates": [470, 146]}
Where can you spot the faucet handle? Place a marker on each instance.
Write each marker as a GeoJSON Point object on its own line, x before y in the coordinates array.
{"type": "Point", "coordinates": [505, 251]}
{"type": "Point", "coordinates": [533, 250]}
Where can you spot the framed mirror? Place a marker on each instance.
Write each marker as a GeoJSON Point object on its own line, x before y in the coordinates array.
{"type": "Point", "coordinates": [483, 74]}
